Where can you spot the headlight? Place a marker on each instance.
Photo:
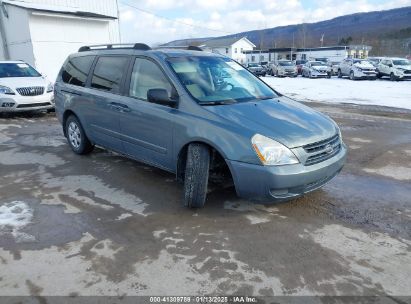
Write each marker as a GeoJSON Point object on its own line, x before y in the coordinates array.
{"type": "Point", "coordinates": [339, 134]}
{"type": "Point", "coordinates": [50, 88]}
{"type": "Point", "coordinates": [271, 152]}
{"type": "Point", "coordinates": [6, 90]}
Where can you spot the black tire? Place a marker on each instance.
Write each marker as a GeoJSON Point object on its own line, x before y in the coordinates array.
{"type": "Point", "coordinates": [352, 75]}
{"type": "Point", "coordinates": [76, 136]}
{"type": "Point", "coordinates": [196, 175]}
{"type": "Point", "coordinates": [392, 77]}
{"type": "Point", "coordinates": [339, 73]}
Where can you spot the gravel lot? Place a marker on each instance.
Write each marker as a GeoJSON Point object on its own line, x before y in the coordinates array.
{"type": "Point", "coordinates": [104, 225]}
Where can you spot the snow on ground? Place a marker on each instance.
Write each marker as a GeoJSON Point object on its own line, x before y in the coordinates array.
{"type": "Point", "coordinates": [13, 217]}
{"type": "Point", "coordinates": [335, 90]}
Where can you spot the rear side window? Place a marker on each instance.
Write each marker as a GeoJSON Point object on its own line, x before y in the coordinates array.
{"type": "Point", "coordinates": [76, 70]}
{"type": "Point", "coordinates": [108, 73]}
{"type": "Point", "coordinates": [147, 75]}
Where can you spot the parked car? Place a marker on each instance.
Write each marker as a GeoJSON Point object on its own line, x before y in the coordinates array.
{"type": "Point", "coordinates": [375, 61]}
{"type": "Point", "coordinates": [316, 69]}
{"type": "Point", "coordinates": [199, 115]}
{"type": "Point", "coordinates": [283, 68]}
{"type": "Point", "coordinates": [256, 69]}
{"type": "Point", "coordinates": [395, 68]}
{"type": "Point", "coordinates": [299, 64]}
{"type": "Point", "coordinates": [357, 69]}
{"type": "Point", "coordinates": [334, 65]}
{"type": "Point", "coordinates": [22, 88]}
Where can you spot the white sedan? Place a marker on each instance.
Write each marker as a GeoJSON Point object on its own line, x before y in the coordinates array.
{"type": "Point", "coordinates": [22, 88]}
{"type": "Point", "coordinates": [316, 69]}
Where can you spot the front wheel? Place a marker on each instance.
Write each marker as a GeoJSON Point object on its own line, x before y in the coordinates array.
{"type": "Point", "coordinates": [76, 136]}
{"type": "Point", "coordinates": [352, 75]}
{"type": "Point", "coordinates": [392, 77]}
{"type": "Point", "coordinates": [339, 74]}
{"type": "Point", "coordinates": [196, 175]}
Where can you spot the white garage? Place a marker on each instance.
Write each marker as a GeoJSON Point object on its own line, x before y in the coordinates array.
{"type": "Point", "coordinates": [44, 32]}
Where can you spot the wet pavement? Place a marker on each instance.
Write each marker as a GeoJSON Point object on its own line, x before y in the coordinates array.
{"type": "Point", "coordinates": [105, 225]}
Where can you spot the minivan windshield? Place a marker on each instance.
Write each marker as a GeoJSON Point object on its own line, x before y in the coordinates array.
{"type": "Point", "coordinates": [218, 80]}
{"type": "Point", "coordinates": [17, 70]}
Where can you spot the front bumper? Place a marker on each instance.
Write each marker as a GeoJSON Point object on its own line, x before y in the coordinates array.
{"type": "Point", "coordinates": [288, 73]}
{"type": "Point", "coordinates": [403, 76]}
{"type": "Point", "coordinates": [320, 74]}
{"type": "Point", "coordinates": [279, 183]}
{"type": "Point", "coordinates": [259, 73]}
{"type": "Point", "coordinates": [365, 75]}
{"type": "Point", "coordinates": [16, 103]}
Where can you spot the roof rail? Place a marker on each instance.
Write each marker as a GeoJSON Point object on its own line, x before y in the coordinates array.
{"type": "Point", "coordinates": [189, 48]}
{"type": "Point", "coordinates": [135, 46]}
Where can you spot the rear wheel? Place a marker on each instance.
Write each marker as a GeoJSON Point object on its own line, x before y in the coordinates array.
{"type": "Point", "coordinates": [76, 136]}
{"type": "Point", "coordinates": [196, 175]}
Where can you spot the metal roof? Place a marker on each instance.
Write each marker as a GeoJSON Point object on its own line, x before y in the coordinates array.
{"type": "Point", "coordinates": [56, 9]}
{"type": "Point", "coordinates": [223, 42]}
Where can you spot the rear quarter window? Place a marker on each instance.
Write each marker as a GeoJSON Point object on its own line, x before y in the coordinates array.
{"type": "Point", "coordinates": [75, 71]}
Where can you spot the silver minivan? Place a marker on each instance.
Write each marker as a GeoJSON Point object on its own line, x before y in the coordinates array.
{"type": "Point", "coordinates": [199, 115]}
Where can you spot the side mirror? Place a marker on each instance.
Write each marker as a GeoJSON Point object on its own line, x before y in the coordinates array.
{"type": "Point", "coordinates": [390, 65]}
{"type": "Point", "coordinates": [160, 96]}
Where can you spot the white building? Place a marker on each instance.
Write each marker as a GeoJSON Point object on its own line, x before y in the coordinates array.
{"type": "Point", "coordinates": [44, 32]}
{"type": "Point", "coordinates": [233, 47]}
{"type": "Point", "coordinates": [332, 53]}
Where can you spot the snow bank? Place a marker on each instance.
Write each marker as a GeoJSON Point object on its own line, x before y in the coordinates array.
{"type": "Point", "coordinates": [335, 90]}
{"type": "Point", "coordinates": [13, 217]}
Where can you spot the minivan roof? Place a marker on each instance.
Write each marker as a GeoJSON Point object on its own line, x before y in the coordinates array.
{"type": "Point", "coordinates": [159, 52]}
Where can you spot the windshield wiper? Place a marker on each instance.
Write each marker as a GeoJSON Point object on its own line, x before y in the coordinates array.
{"type": "Point", "coordinates": [216, 103]}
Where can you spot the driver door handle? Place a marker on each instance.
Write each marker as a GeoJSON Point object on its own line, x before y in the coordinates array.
{"type": "Point", "coordinates": [119, 107]}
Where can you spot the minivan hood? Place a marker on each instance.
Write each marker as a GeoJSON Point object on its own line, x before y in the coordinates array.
{"type": "Point", "coordinates": [21, 82]}
{"type": "Point", "coordinates": [282, 119]}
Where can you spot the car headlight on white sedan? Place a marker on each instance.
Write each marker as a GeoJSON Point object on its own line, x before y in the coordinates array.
{"type": "Point", "coordinates": [6, 90]}
{"type": "Point", "coordinates": [271, 152]}
{"type": "Point", "coordinates": [50, 88]}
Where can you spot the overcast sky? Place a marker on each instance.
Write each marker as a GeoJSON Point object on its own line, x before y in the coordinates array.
{"type": "Point", "coordinates": [222, 17]}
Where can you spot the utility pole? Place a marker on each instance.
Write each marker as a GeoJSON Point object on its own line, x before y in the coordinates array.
{"type": "Point", "coordinates": [3, 12]}
{"type": "Point", "coordinates": [322, 40]}
{"type": "Point", "coordinates": [118, 20]}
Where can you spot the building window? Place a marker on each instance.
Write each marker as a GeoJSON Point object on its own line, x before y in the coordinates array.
{"type": "Point", "coordinates": [226, 50]}
{"type": "Point", "coordinates": [252, 58]}
{"type": "Point", "coordinates": [235, 50]}
{"type": "Point", "coordinates": [261, 57]}
{"type": "Point", "coordinates": [304, 56]}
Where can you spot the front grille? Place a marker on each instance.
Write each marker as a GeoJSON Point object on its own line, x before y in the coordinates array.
{"type": "Point", "coordinates": [34, 105]}
{"type": "Point", "coordinates": [30, 91]}
{"type": "Point", "coordinates": [407, 72]}
{"type": "Point", "coordinates": [322, 150]}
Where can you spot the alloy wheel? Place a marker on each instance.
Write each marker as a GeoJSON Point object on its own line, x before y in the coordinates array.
{"type": "Point", "coordinates": [74, 135]}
